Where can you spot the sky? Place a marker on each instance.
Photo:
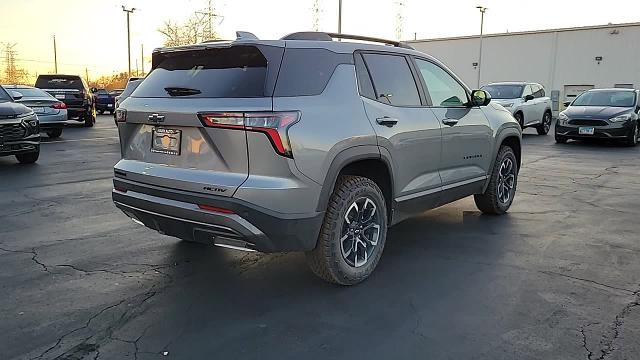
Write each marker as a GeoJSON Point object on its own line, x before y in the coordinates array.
{"type": "Point", "coordinates": [91, 34]}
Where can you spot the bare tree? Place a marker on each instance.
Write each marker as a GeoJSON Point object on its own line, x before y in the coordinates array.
{"type": "Point", "coordinates": [197, 28]}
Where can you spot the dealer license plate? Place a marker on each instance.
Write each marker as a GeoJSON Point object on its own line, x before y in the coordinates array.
{"type": "Point", "coordinates": [166, 141]}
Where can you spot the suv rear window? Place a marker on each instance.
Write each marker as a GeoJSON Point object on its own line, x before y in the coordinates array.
{"type": "Point", "coordinates": [59, 82]}
{"type": "Point", "coordinates": [234, 72]}
{"type": "Point", "coordinates": [392, 79]}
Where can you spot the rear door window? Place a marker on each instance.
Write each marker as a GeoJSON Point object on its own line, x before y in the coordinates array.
{"type": "Point", "coordinates": [393, 81]}
{"type": "Point", "coordinates": [234, 72]}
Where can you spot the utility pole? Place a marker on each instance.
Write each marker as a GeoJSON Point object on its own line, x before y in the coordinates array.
{"type": "Point", "coordinates": [55, 55]}
{"type": "Point", "coordinates": [209, 33]}
{"type": "Point", "coordinates": [339, 16]}
{"type": "Point", "coordinates": [482, 11]}
{"type": "Point", "coordinates": [128, 11]}
{"type": "Point", "coordinates": [399, 20]}
{"type": "Point", "coordinates": [315, 10]}
{"type": "Point", "coordinates": [142, 57]}
{"type": "Point", "coordinates": [86, 74]}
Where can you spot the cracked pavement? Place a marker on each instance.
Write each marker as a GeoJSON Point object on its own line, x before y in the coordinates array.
{"type": "Point", "coordinates": [557, 278]}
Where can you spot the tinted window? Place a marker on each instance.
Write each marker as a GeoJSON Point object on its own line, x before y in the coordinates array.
{"type": "Point", "coordinates": [235, 72]}
{"type": "Point", "coordinates": [30, 93]}
{"type": "Point", "coordinates": [538, 91]}
{"type": "Point", "coordinates": [59, 82]}
{"type": "Point", "coordinates": [392, 79]}
{"type": "Point", "coordinates": [443, 88]}
{"type": "Point", "coordinates": [4, 96]}
{"type": "Point", "coordinates": [306, 72]}
{"type": "Point", "coordinates": [504, 91]}
{"type": "Point", "coordinates": [606, 98]}
{"type": "Point", "coordinates": [364, 80]}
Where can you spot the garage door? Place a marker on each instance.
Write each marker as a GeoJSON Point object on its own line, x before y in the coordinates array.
{"type": "Point", "coordinates": [572, 91]}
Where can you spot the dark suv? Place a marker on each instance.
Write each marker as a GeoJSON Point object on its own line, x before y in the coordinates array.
{"type": "Point", "coordinates": [19, 130]}
{"type": "Point", "coordinates": [307, 144]}
{"type": "Point", "coordinates": [74, 92]}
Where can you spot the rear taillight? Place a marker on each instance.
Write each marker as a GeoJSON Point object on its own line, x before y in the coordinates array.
{"type": "Point", "coordinates": [59, 106]}
{"type": "Point", "coordinates": [214, 209]}
{"type": "Point", "coordinates": [121, 115]}
{"type": "Point", "coordinates": [272, 124]}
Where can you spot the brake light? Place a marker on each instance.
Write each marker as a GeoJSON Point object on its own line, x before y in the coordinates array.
{"type": "Point", "coordinates": [273, 124]}
{"type": "Point", "coordinates": [121, 115]}
{"type": "Point", "coordinates": [59, 106]}
{"type": "Point", "coordinates": [214, 209]}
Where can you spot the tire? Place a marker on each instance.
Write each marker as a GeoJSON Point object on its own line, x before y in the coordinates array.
{"type": "Point", "coordinates": [561, 139]}
{"type": "Point", "coordinates": [334, 259]}
{"type": "Point", "coordinates": [110, 112]}
{"type": "Point", "coordinates": [519, 119]}
{"type": "Point", "coordinates": [100, 112]}
{"type": "Point", "coordinates": [495, 201]}
{"type": "Point", "coordinates": [54, 133]}
{"type": "Point", "coordinates": [634, 136]}
{"type": "Point", "coordinates": [545, 126]}
{"type": "Point", "coordinates": [90, 118]}
{"type": "Point", "coordinates": [29, 158]}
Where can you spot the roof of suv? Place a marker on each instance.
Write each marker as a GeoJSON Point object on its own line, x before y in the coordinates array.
{"type": "Point", "coordinates": [314, 40]}
{"type": "Point", "coordinates": [513, 83]}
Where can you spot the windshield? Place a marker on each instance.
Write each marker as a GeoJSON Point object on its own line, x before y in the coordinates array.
{"type": "Point", "coordinates": [606, 98]}
{"type": "Point", "coordinates": [4, 96]}
{"type": "Point", "coordinates": [504, 91]}
{"type": "Point", "coordinates": [59, 82]}
{"type": "Point", "coordinates": [31, 93]}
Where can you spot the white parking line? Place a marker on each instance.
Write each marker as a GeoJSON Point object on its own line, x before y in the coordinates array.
{"type": "Point", "coordinates": [75, 140]}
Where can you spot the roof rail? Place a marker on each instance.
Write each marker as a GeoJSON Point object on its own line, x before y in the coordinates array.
{"type": "Point", "coordinates": [324, 36]}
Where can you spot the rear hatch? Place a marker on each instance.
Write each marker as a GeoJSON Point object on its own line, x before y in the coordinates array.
{"type": "Point", "coordinates": [66, 88]}
{"type": "Point", "coordinates": [103, 97]}
{"type": "Point", "coordinates": [163, 137]}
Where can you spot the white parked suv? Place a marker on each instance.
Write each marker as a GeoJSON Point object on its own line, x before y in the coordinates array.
{"type": "Point", "coordinates": [527, 102]}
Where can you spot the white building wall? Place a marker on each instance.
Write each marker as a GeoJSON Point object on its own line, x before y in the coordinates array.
{"type": "Point", "coordinates": [554, 58]}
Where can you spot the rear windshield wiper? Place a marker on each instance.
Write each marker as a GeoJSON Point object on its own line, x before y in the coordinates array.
{"type": "Point", "coordinates": [181, 91]}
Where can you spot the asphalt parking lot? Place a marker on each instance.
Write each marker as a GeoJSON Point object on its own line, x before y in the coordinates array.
{"type": "Point", "coordinates": [557, 278]}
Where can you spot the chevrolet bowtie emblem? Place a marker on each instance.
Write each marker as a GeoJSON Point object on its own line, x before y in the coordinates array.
{"type": "Point", "coordinates": [155, 118]}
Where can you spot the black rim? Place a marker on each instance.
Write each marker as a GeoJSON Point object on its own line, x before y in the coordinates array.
{"type": "Point", "coordinates": [360, 232]}
{"type": "Point", "coordinates": [547, 122]}
{"type": "Point", "coordinates": [506, 181]}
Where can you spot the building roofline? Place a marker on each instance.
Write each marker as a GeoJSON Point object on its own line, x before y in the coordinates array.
{"type": "Point", "coordinates": [580, 28]}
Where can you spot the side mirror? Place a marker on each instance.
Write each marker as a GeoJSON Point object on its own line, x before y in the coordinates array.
{"type": "Point", "coordinates": [566, 103]}
{"type": "Point", "coordinates": [480, 98]}
{"type": "Point", "coordinates": [529, 97]}
{"type": "Point", "coordinates": [16, 95]}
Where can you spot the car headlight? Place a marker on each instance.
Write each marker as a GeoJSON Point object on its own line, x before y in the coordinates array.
{"type": "Point", "coordinates": [623, 117]}
{"type": "Point", "coordinates": [30, 121]}
{"type": "Point", "coordinates": [508, 105]}
{"type": "Point", "coordinates": [563, 118]}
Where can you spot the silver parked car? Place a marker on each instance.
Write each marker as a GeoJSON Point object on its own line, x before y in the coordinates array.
{"type": "Point", "coordinates": [307, 144]}
{"type": "Point", "coordinates": [528, 103]}
{"type": "Point", "coordinates": [51, 112]}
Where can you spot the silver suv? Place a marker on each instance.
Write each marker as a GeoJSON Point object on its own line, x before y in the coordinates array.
{"type": "Point", "coordinates": [307, 144]}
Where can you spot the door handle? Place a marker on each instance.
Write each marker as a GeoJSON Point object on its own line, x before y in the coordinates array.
{"type": "Point", "coordinates": [449, 122]}
{"type": "Point", "coordinates": [387, 121]}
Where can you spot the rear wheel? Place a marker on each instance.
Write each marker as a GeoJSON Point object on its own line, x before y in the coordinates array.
{"type": "Point", "coordinates": [29, 158]}
{"type": "Point", "coordinates": [545, 125]}
{"type": "Point", "coordinates": [54, 133]}
{"type": "Point", "coordinates": [353, 233]}
{"type": "Point", "coordinates": [498, 197]}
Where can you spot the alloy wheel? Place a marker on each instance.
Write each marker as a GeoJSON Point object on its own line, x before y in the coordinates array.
{"type": "Point", "coordinates": [360, 232]}
{"type": "Point", "coordinates": [506, 181]}
{"type": "Point", "coordinates": [546, 122]}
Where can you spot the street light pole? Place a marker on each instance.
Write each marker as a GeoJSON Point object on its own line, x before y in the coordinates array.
{"type": "Point", "coordinates": [55, 55]}
{"type": "Point", "coordinates": [128, 11]}
{"type": "Point", "coordinates": [339, 16]}
{"type": "Point", "coordinates": [482, 11]}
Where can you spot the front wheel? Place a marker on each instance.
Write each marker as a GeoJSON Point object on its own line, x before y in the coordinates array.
{"type": "Point", "coordinates": [545, 126]}
{"type": "Point", "coordinates": [54, 133]}
{"type": "Point", "coordinates": [498, 197]}
{"type": "Point", "coordinates": [29, 158]}
{"type": "Point", "coordinates": [520, 119]}
{"type": "Point", "coordinates": [353, 233]}
{"type": "Point", "coordinates": [634, 136]}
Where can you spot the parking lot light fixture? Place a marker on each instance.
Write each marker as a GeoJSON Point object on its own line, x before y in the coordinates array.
{"type": "Point", "coordinates": [482, 11]}
{"type": "Point", "coordinates": [128, 11]}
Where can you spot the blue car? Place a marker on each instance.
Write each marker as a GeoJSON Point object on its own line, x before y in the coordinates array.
{"type": "Point", "coordinates": [51, 112]}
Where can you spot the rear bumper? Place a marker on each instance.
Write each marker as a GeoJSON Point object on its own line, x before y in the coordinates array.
{"type": "Point", "coordinates": [600, 132]}
{"type": "Point", "coordinates": [106, 107]}
{"type": "Point", "coordinates": [176, 213]}
{"type": "Point", "coordinates": [53, 121]}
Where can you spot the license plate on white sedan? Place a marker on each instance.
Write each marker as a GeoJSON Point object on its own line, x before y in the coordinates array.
{"type": "Point", "coordinates": [38, 110]}
{"type": "Point", "coordinates": [59, 96]}
{"type": "Point", "coordinates": [166, 141]}
{"type": "Point", "coordinates": [586, 131]}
